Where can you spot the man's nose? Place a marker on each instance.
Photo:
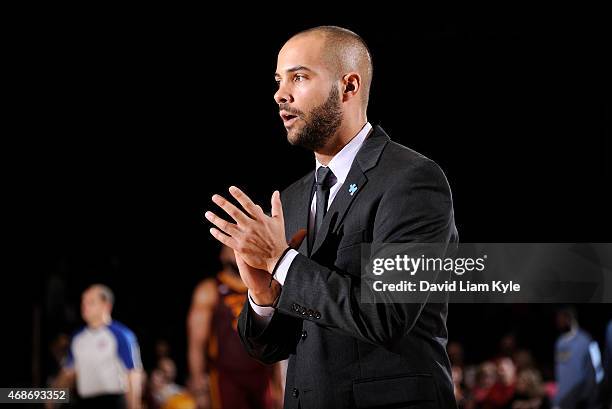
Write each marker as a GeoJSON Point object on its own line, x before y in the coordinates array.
{"type": "Point", "coordinates": [282, 96]}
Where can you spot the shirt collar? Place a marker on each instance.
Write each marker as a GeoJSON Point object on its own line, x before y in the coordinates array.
{"type": "Point", "coordinates": [342, 161]}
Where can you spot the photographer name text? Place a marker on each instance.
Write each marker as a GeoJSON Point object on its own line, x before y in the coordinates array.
{"type": "Point", "coordinates": [503, 287]}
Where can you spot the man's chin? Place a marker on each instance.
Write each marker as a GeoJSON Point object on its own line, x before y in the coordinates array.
{"type": "Point", "coordinates": [293, 136]}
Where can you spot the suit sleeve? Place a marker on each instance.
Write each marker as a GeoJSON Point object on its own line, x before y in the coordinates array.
{"type": "Point", "coordinates": [417, 208]}
{"type": "Point", "coordinates": [272, 343]}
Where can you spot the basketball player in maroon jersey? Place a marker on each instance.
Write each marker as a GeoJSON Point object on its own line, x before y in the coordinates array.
{"type": "Point", "coordinates": [222, 374]}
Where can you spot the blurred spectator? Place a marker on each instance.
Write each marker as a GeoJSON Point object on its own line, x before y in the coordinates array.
{"type": "Point", "coordinates": [529, 392]}
{"type": "Point", "coordinates": [502, 390]}
{"type": "Point", "coordinates": [469, 375]}
{"type": "Point", "coordinates": [157, 393]}
{"type": "Point", "coordinates": [163, 392]}
{"type": "Point", "coordinates": [486, 377]}
{"type": "Point", "coordinates": [455, 354]}
{"type": "Point", "coordinates": [457, 374]}
{"type": "Point", "coordinates": [579, 370]}
{"type": "Point", "coordinates": [523, 360]}
{"type": "Point", "coordinates": [104, 357]}
{"type": "Point", "coordinates": [221, 373]}
{"type": "Point", "coordinates": [168, 368]}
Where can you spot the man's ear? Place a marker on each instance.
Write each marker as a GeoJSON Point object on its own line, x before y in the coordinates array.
{"type": "Point", "coordinates": [352, 85]}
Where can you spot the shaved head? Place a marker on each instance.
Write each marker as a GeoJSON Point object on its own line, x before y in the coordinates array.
{"type": "Point", "coordinates": [345, 51]}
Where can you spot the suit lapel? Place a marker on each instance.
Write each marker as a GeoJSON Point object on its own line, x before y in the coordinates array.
{"type": "Point", "coordinates": [366, 158]}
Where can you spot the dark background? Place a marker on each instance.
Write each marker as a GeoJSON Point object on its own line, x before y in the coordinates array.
{"type": "Point", "coordinates": [127, 124]}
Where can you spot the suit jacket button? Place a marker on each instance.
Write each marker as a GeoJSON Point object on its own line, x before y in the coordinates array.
{"type": "Point", "coordinates": [310, 313]}
{"type": "Point", "coordinates": [317, 315]}
{"type": "Point", "coordinates": [304, 334]}
{"type": "Point", "coordinates": [295, 392]}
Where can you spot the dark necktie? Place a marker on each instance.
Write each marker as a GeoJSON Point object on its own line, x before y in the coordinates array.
{"type": "Point", "coordinates": [325, 180]}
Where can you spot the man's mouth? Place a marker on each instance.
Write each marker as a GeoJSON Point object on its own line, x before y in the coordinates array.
{"type": "Point", "coordinates": [288, 119]}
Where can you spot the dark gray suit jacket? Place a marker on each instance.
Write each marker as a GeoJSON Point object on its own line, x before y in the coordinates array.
{"type": "Point", "coordinates": [344, 353]}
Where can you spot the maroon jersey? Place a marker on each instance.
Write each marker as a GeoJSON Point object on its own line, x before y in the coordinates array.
{"type": "Point", "coordinates": [226, 351]}
{"type": "Point", "coordinates": [236, 380]}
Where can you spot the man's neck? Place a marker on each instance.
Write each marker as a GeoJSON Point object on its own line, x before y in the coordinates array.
{"type": "Point", "coordinates": [344, 135]}
{"type": "Point", "coordinates": [573, 329]}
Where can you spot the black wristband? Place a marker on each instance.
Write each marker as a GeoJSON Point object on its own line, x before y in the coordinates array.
{"type": "Point", "coordinates": [277, 264]}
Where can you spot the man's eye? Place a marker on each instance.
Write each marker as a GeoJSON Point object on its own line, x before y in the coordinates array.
{"type": "Point", "coordinates": [298, 78]}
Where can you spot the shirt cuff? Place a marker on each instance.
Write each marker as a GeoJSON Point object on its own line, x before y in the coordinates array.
{"type": "Point", "coordinates": [261, 311]}
{"type": "Point", "coordinates": [283, 266]}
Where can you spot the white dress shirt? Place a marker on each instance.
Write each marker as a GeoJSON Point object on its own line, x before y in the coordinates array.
{"type": "Point", "coordinates": [340, 166]}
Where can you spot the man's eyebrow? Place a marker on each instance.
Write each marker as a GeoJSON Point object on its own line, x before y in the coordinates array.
{"type": "Point", "coordinates": [294, 69]}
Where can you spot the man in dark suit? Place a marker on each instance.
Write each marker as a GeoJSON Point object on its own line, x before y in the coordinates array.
{"type": "Point", "coordinates": [305, 297]}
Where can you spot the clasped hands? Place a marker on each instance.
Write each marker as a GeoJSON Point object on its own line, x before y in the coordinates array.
{"type": "Point", "coordinates": [258, 241]}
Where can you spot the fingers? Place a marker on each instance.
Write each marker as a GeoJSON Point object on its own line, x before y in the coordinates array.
{"type": "Point", "coordinates": [297, 238]}
{"type": "Point", "coordinates": [277, 206]}
{"type": "Point", "coordinates": [223, 225]}
{"type": "Point", "coordinates": [230, 209]}
{"type": "Point", "coordinates": [223, 238]}
{"type": "Point", "coordinates": [246, 203]}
